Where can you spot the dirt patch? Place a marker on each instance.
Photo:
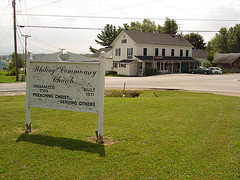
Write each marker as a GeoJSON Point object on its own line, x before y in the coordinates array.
{"type": "Point", "coordinates": [22, 130]}
{"type": "Point", "coordinates": [120, 93]}
{"type": "Point", "coordinates": [12, 93]}
{"type": "Point", "coordinates": [107, 140]}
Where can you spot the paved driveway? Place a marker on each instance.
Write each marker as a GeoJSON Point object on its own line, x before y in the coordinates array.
{"type": "Point", "coordinates": [218, 84]}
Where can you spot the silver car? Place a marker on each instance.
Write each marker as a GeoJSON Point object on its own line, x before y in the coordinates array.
{"type": "Point", "coordinates": [216, 70]}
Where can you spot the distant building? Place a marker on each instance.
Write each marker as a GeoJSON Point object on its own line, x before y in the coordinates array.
{"type": "Point", "coordinates": [201, 56]}
{"type": "Point", "coordinates": [108, 55]}
{"type": "Point", "coordinates": [67, 56]}
{"type": "Point", "coordinates": [230, 61]}
{"type": "Point", "coordinates": [138, 53]}
{"type": "Point", "coordinates": [3, 66]}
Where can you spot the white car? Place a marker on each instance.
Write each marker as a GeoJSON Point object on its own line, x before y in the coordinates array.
{"type": "Point", "coordinates": [216, 70]}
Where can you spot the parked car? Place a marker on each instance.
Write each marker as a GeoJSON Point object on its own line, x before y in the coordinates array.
{"type": "Point", "coordinates": [200, 70]}
{"type": "Point", "coordinates": [216, 70]}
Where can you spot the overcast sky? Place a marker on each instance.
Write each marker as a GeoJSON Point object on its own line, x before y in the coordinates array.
{"type": "Point", "coordinates": [200, 15]}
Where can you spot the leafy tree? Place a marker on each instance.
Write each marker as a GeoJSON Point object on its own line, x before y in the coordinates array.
{"type": "Point", "coordinates": [210, 51]}
{"type": "Point", "coordinates": [196, 40]}
{"type": "Point", "coordinates": [110, 32]}
{"type": "Point", "coordinates": [20, 59]}
{"type": "Point", "coordinates": [170, 24]}
{"type": "Point", "coordinates": [220, 41]}
{"type": "Point", "coordinates": [234, 39]}
{"type": "Point", "coordinates": [107, 36]}
{"type": "Point", "coordinates": [225, 41]}
{"type": "Point", "coordinates": [145, 26]}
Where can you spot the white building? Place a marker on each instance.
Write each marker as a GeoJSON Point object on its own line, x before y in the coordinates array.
{"type": "Point", "coordinates": [108, 58]}
{"type": "Point", "coordinates": [138, 53]}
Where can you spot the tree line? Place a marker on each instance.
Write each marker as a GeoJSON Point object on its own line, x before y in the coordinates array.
{"type": "Point", "coordinates": [225, 41]}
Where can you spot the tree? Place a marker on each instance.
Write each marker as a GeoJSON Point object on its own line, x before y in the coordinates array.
{"type": "Point", "coordinates": [196, 40]}
{"type": "Point", "coordinates": [21, 61]}
{"type": "Point", "coordinates": [110, 32]}
{"type": "Point", "coordinates": [108, 35]}
{"type": "Point", "coordinates": [234, 39]}
{"type": "Point", "coordinates": [210, 51]}
{"type": "Point", "coordinates": [93, 50]}
{"type": "Point", "coordinates": [220, 42]}
{"type": "Point", "coordinates": [225, 41]}
{"type": "Point", "coordinates": [145, 26]}
{"type": "Point", "coordinates": [170, 24]}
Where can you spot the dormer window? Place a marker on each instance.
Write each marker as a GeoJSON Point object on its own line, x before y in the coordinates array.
{"type": "Point", "coordinates": [124, 40]}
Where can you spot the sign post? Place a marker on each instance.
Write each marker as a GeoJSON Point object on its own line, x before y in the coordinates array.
{"type": "Point", "coordinates": [101, 98]}
{"type": "Point", "coordinates": [73, 86]}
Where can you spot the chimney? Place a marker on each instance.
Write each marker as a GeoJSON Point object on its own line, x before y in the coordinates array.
{"type": "Point", "coordinates": [172, 32]}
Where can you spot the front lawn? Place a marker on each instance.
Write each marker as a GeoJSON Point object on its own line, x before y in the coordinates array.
{"type": "Point", "coordinates": [11, 79]}
{"type": "Point", "coordinates": [176, 135]}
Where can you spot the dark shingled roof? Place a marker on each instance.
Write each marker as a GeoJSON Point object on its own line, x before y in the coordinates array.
{"type": "Point", "coordinates": [225, 58]}
{"type": "Point", "coordinates": [157, 38]}
{"type": "Point", "coordinates": [166, 59]}
{"type": "Point", "coordinates": [198, 53]}
{"type": "Point", "coordinates": [126, 61]}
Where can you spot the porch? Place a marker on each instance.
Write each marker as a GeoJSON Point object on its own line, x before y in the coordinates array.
{"type": "Point", "coordinates": [145, 66]}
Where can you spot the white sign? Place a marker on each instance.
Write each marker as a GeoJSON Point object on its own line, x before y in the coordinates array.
{"type": "Point", "coordinates": [67, 86]}
{"type": "Point", "coordinates": [64, 85]}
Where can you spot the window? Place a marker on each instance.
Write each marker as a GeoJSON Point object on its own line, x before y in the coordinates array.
{"type": "Point", "coordinates": [118, 52]}
{"type": "Point", "coordinates": [181, 53]}
{"type": "Point", "coordinates": [156, 51]}
{"type": "Point", "coordinates": [172, 52]}
{"type": "Point", "coordinates": [124, 41]}
{"type": "Point", "coordinates": [144, 51]}
{"type": "Point", "coordinates": [115, 64]}
{"type": "Point", "coordinates": [122, 65]}
{"type": "Point", "coordinates": [187, 53]}
{"type": "Point", "coordinates": [163, 52]}
{"type": "Point", "coordinates": [129, 52]}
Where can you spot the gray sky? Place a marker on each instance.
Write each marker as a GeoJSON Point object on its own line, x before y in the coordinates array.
{"type": "Point", "coordinates": [200, 15]}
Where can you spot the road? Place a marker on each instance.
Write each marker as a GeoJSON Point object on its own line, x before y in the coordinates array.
{"type": "Point", "coordinates": [217, 84]}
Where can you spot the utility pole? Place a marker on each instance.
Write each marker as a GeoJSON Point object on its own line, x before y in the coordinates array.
{"type": "Point", "coordinates": [15, 37]}
{"type": "Point", "coordinates": [25, 54]}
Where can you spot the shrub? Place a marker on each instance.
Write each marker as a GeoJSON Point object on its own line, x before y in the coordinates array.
{"type": "Point", "coordinates": [107, 73]}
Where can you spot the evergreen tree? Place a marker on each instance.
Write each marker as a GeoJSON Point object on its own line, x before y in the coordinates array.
{"type": "Point", "coordinates": [108, 35]}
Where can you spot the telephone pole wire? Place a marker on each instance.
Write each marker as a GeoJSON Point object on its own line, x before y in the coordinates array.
{"type": "Point", "coordinates": [15, 38]}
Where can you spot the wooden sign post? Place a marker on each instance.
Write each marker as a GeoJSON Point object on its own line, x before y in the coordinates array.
{"type": "Point", "coordinates": [67, 86]}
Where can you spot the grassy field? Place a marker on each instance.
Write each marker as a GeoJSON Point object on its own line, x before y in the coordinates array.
{"type": "Point", "coordinates": [10, 79]}
{"type": "Point", "coordinates": [176, 135]}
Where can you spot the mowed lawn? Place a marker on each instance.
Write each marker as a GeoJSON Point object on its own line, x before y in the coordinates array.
{"type": "Point", "coordinates": [177, 135]}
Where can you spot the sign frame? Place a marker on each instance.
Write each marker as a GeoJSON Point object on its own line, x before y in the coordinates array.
{"type": "Point", "coordinates": [100, 93]}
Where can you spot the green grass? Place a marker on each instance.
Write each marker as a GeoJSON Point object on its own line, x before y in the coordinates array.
{"type": "Point", "coordinates": [10, 79]}
{"type": "Point", "coordinates": [176, 135]}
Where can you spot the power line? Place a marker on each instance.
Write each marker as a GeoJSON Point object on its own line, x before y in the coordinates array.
{"type": "Point", "coordinates": [114, 17]}
{"type": "Point", "coordinates": [80, 28]}
{"type": "Point", "coordinates": [61, 27]}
